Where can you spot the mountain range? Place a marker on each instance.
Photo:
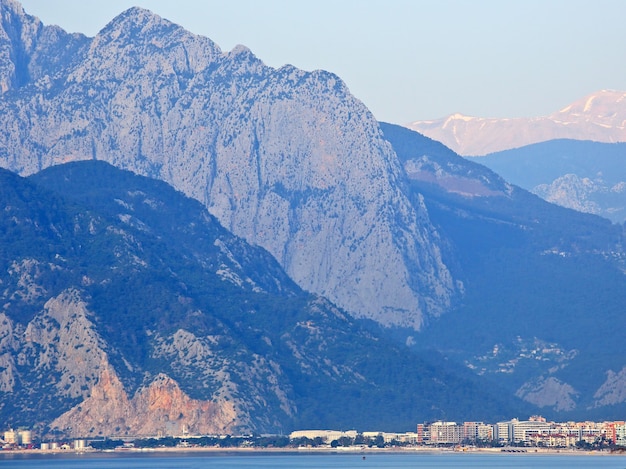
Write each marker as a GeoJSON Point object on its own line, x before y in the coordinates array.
{"type": "Point", "coordinates": [542, 311]}
{"type": "Point", "coordinates": [582, 175]}
{"type": "Point", "coordinates": [317, 267]}
{"type": "Point", "coordinates": [600, 117]}
{"type": "Point", "coordinates": [129, 310]}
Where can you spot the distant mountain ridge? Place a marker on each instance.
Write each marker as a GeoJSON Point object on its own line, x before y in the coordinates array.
{"type": "Point", "coordinates": [542, 314]}
{"type": "Point", "coordinates": [581, 175]}
{"type": "Point", "coordinates": [600, 117]}
{"type": "Point", "coordinates": [286, 159]}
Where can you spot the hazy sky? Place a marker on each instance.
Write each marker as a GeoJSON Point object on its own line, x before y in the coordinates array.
{"type": "Point", "coordinates": [409, 59]}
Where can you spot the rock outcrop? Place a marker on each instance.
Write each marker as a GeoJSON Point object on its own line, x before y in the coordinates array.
{"type": "Point", "coordinates": [161, 408]}
{"type": "Point", "coordinates": [61, 348]}
{"type": "Point", "coordinates": [549, 392]}
{"type": "Point", "coordinates": [613, 390]}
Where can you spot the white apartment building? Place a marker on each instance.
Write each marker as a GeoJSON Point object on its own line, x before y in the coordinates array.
{"type": "Point", "coordinates": [446, 433]}
{"type": "Point", "coordinates": [326, 435]}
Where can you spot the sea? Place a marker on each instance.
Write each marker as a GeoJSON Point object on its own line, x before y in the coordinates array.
{"type": "Point", "coordinates": [311, 461]}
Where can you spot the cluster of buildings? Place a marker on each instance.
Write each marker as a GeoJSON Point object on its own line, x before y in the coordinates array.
{"type": "Point", "coordinates": [535, 431]}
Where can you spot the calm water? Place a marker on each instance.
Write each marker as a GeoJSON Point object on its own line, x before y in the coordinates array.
{"type": "Point", "coordinates": [312, 461]}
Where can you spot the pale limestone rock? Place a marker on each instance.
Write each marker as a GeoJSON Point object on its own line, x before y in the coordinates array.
{"type": "Point", "coordinates": [287, 159]}
{"type": "Point", "coordinates": [573, 192]}
{"type": "Point", "coordinates": [27, 272]}
{"type": "Point", "coordinates": [613, 390]}
{"type": "Point", "coordinates": [192, 357]}
{"type": "Point", "coordinates": [9, 345]}
{"type": "Point", "coordinates": [62, 339]}
{"type": "Point", "coordinates": [549, 392]}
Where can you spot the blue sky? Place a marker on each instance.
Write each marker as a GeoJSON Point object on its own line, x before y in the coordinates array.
{"type": "Point", "coordinates": [409, 59]}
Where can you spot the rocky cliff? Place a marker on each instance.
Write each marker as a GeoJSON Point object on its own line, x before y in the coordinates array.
{"type": "Point", "coordinates": [287, 159]}
{"type": "Point", "coordinates": [62, 350]}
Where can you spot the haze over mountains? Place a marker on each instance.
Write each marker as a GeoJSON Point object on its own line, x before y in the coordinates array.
{"type": "Point", "coordinates": [322, 215]}
{"type": "Point", "coordinates": [578, 174]}
{"type": "Point", "coordinates": [600, 117]}
{"type": "Point", "coordinates": [573, 158]}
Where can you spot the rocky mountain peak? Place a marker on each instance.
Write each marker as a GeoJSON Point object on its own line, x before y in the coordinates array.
{"type": "Point", "coordinates": [137, 24]}
{"type": "Point", "coordinates": [142, 41]}
{"type": "Point", "coordinates": [607, 107]}
{"type": "Point", "coordinates": [29, 50]}
{"type": "Point", "coordinates": [18, 33]}
{"type": "Point", "coordinates": [287, 159]}
{"type": "Point", "coordinates": [12, 14]}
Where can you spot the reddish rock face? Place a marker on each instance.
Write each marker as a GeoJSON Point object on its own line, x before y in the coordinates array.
{"type": "Point", "coordinates": [161, 408]}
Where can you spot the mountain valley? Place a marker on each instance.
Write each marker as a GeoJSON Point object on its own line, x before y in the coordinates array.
{"type": "Point", "coordinates": [544, 285]}
{"type": "Point", "coordinates": [582, 175]}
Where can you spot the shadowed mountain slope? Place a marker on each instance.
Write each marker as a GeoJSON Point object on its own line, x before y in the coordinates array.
{"type": "Point", "coordinates": [544, 285]}
{"type": "Point", "coordinates": [128, 309]}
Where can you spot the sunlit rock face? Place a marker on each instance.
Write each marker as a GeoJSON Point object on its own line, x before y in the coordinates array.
{"type": "Point", "coordinates": [287, 159]}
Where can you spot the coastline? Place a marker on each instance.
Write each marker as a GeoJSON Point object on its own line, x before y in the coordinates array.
{"type": "Point", "coordinates": [198, 450]}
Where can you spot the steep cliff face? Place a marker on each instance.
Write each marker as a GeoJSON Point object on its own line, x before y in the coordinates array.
{"type": "Point", "coordinates": [161, 408]}
{"type": "Point", "coordinates": [58, 349]}
{"type": "Point", "coordinates": [30, 50]}
{"type": "Point", "coordinates": [62, 349]}
{"type": "Point", "coordinates": [287, 159]}
{"type": "Point", "coordinates": [613, 390]}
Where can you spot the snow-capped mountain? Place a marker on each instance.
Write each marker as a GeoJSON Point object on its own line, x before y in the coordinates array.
{"type": "Point", "coordinates": [600, 117]}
